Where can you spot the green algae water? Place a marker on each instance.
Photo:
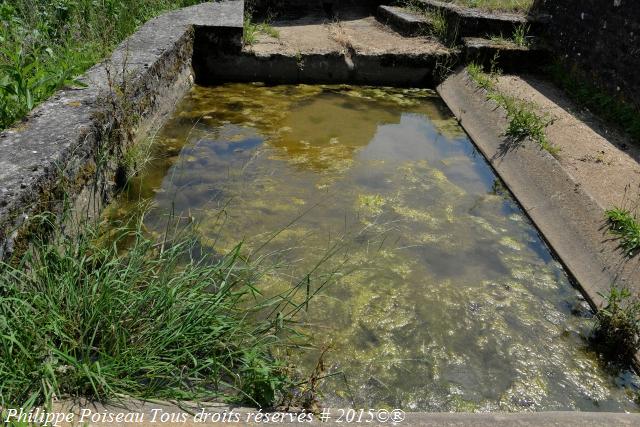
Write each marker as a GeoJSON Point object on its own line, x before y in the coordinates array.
{"type": "Point", "coordinates": [444, 298]}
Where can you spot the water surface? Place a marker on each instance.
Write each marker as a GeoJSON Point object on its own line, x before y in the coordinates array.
{"type": "Point", "coordinates": [446, 297]}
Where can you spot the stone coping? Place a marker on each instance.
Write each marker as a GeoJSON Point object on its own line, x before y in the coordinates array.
{"type": "Point", "coordinates": [474, 13]}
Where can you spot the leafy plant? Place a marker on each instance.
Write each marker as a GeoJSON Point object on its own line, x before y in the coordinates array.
{"type": "Point", "coordinates": [617, 324]}
{"type": "Point", "coordinates": [624, 224]}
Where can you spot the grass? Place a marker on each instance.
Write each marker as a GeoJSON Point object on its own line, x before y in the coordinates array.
{"type": "Point", "coordinates": [524, 121]}
{"type": "Point", "coordinates": [519, 37]}
{"type": "Point", "coordinates": [83, 317]}
{"type": "Point", "coordinates": [486, 81]}
{"type": "Point", "coordinates": [624, 224]}
{"type": "Point", "coordinates": [45, 44]}
{"type": "Point", "coordinates": [439, 27]}
{"type": "Point", "coordinates": [521, 6]}
{"type": "Point", "coordinates": [617, 325]}
{"type": "Point", "coordinates": [251, 30]}
{"type": "Point", "coordinates": [582, 90]}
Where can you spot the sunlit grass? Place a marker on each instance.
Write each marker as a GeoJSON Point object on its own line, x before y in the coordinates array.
{"type": "Point", "coordinates": [102, 316]}
{"type": "Point", "coordinates": [45, 44]}
{"type": "Point", "coordinates": [497, 5]}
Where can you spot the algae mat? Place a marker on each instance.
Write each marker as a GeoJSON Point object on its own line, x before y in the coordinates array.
{"type": "Point", "coordinates": [443, 295]}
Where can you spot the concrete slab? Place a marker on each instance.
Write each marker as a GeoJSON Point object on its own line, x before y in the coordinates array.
{"type": "Point", "coordinates": [353, 48]}
{"type": "Point", "coordinates": [165, 414]}
{"type": "Point", "coordinates": [569, 218]}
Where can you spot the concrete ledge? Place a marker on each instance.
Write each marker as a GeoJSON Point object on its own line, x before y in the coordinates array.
{"type": "Point", "coordinates": [466, 22]}
{"type": "Point", "coordinates": [569, 219]}
{"type": "Point", "coordinates": [192, 414]}
{"type": "Point", "coordinates": [403, 21]}
{"type": "Point", "coordinates": [508, 55]}
{"type": "Point", "coordinates": [49, 159]}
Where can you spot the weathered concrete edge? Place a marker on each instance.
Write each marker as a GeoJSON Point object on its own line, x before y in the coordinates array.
{"type": "Point", "coordinates": [473, 13]}
{"type": "Point", "coordinates": [401, 21]}
{"type": "Point", "coordinates": [411, 419]}
{"type": "Point", "coordinates": [401, 69]}
{"type": "Point", "coordinates": [569, 219]}
{"type": "Point", "coordinates": [49, 159]}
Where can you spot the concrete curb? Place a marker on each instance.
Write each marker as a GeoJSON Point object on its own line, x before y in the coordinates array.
{"type": "Point", "coordinates": [569, 219]}
{"type": "Point", "coordinates": [165, 414]}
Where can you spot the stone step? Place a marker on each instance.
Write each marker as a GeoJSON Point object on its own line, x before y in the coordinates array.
{"type": "Point", "coordinates": [470, 22]}
{"type": "Point", "coordinates": [505, 53]}
{"type": "Point", "coordinates": [403, 21]}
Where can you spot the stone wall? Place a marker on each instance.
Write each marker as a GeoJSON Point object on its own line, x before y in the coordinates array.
{"type": "Point", "coordinates": [601, 37]}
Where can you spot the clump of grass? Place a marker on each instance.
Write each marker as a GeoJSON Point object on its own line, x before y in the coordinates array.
{"type": "Point", "coordinates": [249, 32]}
{"type": "Point", "coordinates": [252, 29]}
{"type": "Point", "coordinates": [83, 317]}
{"type": "Point", "coordinates": [586, 93]}
{"type": "Point", "coordinates": [520, 35]}
{"type": "Point", "coordinates": [524, 121]}
{"type": "Point", "coordinates": [617, 325]}
{"type": "Point", "coordinates": [439, 27]}
{"type": "Point", "coordinates": [624, 224]}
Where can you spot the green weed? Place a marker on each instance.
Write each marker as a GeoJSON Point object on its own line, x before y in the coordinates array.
{"type": "Point", "coordinates": [251, 30]}
{"type": "Point", "coordinates": [45, 44]}
{"type": "Point", "coordinates": [617, 325]}
{"type": "Point", "coordinates": [484, 80]}
{"type": "Point", "coordinates": [520, 35]}
{"type": "Point", "coordinates": [438, 24]}
{"type": "Point", "coordinates": [524, 121]}
{"type": "Point", "coordinates": [624, 224]}
{"type": "Point", "coordinates": [102, 316]}
{"type": "Point", "coordinates": [497, 5]}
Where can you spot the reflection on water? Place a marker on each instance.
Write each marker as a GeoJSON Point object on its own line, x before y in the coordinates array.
{"type": "Point", "coordinates": [451, 301]}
